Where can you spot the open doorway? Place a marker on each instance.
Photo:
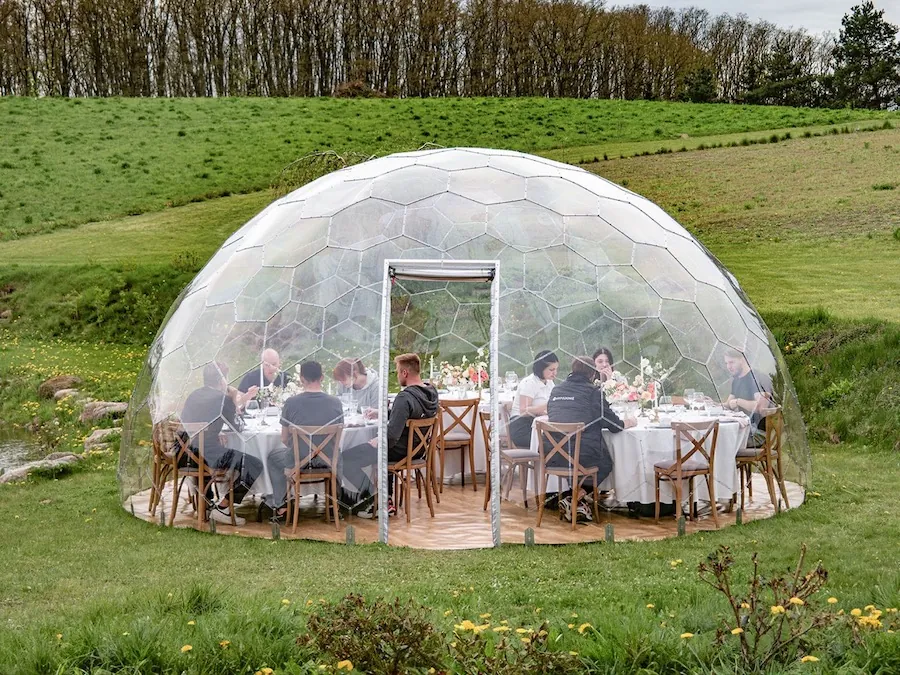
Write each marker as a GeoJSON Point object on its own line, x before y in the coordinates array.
{"type": "Point", "coordinates": [446, 312]}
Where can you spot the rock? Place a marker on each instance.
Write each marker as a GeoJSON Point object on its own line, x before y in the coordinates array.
{"type": "Point", "coordinates": [21, 472]}
{"type": "Point", "coordinates": [49, 387]}
{"type": "Point", "coordinates": [97, 410]}
{"type": "Point", "coordinates": [98, 438]}
{"type": "Point", "coordinates": [63, 393]}
{"type": "Point", "coordinates": [6, 314]}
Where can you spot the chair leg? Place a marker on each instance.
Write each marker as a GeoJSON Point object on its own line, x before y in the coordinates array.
{"type": "Point", "coordinates": [770, 482]}
{"type": "Point", "coordinates": [407, 489]}
{"type": "Point", "coordinates": [334, 504]}
{"type": "Point", "coordinates": [472, 464]}
{"type": "Point", "coordinates": [711, 488]}
{"type": "Point", "coordinates": [677, 485]}
{"type": "Point", "coordinates": [596, 501]}
{"type": "Point", "coordinates": [542, 497]}
{"type": "Point", "coordinates": [443, 452]}
{"type": "Point", "coordinates": [419, 483]}
{"type": "Point", "coordinates": [296, 505]}
{"type": "Point", "coordinates": [523, 479]}
{"type": "Point", "coordinates": [487, 486]}
{"type": "Point", "coordinates": [656, 481]}
{"type": "Point", "coordinates": [692, 504]}
{"type": "Point", "coordinates": [779, 476]}
{"type": "Point", "coordinates": [428, 492]}
{"type": "Point", "coordinates": [231, 501]}
{"type": "Point", "coordinates": [176, 487]}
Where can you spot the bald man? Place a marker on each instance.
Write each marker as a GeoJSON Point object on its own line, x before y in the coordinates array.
{"type": "Point", "coordinates": [268, 373]}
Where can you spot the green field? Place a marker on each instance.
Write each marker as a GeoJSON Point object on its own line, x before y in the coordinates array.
{"type": "Point", "coordinates": [804, 224]}
{"type": "Point", "coordinates": [66, 162]}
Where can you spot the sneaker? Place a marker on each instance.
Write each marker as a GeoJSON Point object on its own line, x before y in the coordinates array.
{"type": "Point", "coordinates": [364, 504]}
{"type": "Point", "coordinates": [392, 510]}
{"type": "Point", "coordinates": [583, 513]}
{"type": "Point", "coordinates": [565, 509]}
{"type": "Point", "coordinates": [224, 517]}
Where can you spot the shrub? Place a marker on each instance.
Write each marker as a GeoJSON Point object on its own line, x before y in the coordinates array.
{"type": "Point", "coordinates": [377, 637]}
{"type": "Point", "coordinates": [357, 89]}
{"type": "Point", "coordinates": [476, 649]}
{"type": "Point", "coordinates": [884, 186]}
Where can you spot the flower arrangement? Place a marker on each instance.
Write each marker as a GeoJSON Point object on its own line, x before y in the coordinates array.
{"type": "Point", "coordinates": [274, 395]}
{"type": "Point", "coordinates": [644, 387]}
{"type": "Point", "coordinates": [466, 372]}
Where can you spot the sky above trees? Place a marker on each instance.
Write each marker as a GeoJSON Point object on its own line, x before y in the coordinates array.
{"type": "Point", "coordinates": [816, 16]}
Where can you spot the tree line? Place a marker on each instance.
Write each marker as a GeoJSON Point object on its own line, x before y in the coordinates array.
{"type": "Point", "coordinates": [557, 48]}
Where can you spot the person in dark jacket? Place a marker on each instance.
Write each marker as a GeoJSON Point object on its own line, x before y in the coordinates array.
{"type": "Point", "coordinates": [577, 399]}
{"type": "Point", "coordinates": [211, 405]}
{"type": "Point", "coordinates": [417, 400]}
{"type": "Point", "coordinates": [268, 372]}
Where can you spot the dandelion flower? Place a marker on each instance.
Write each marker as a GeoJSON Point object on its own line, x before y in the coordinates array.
{"type": "Point", "coordinates": [448, 612]}
{"type": "Point", "coordinates": [856, 611]}
{"type": "Point", "coordinates": [687, 636]}
{"type": "Point", "coordinates": [520, 631]}
{"type": "Point", "coordinates": [481, 628]}
{"type": "Point", "coordinates": [59, 636]}
{"type": "Point", "coordinates": [484, 616]}
{"type": "Point", "coordinates": [737, 631]}
{"type": "Point", "coordinates": [796, 601]}
{"type": "Point", "coordinates": [537, 610]}
{"type": "Point", "coordinates": [285, 602]}
{"type": "Point", "coordinates": [186, 649]}
{"type": "Point", "coordinates": [525, 640]}
{"type": "Point", "coordinates": [265, 671]}
{"type": "Point", "coordinates": [650, 605]}
{"type": "Point", "coordinates": [832, 601]}
{"type": "Point", "coordinates": [224, 644]}
{"type": "Point", "coordinates": [583, 627]}
{"type": "Point", "coordinates": [465, 625]}
{"type": "Point", "coordinates": [571, 625]}
{"type": "Point", "coordinates": [501, 629]}
{"type": "Point", "coordinates": [346, 664]}
{"type": "Point", "coordinates": [573, 653]}
{"type": "Point", "coordinates": [745, 605]}
{"type": "Point", "coordinates": [808, 659]}
{"type": "Point", "coordinates": [777, 609]}
{"type": "Point", "coordinates": [192, 623]}
{"type": "Point", "coordinates": [309, 602]}
{"type": "Point", "coordinates": [869, 608]}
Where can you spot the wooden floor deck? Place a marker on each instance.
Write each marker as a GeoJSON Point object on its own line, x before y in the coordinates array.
{"type": "Point", "coordinates": [460, 521]}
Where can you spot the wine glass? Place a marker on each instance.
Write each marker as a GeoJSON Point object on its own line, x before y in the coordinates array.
{"type": "Point", "coordinates": [511, 379]}
{"type": "Point", "coordinates": [252, 407]}
{"type": "Point", "coordinates": [665, 403]}
{"type": "Point", "coordinates": [688, 398]}
{"type": "Point", "coordinates": [699, 400]}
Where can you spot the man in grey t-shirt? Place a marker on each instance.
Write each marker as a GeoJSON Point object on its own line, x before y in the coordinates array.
{"type": "Point", "coordinates": [312, 408]}
{"type": "Point", "coordinates": [751, 391]}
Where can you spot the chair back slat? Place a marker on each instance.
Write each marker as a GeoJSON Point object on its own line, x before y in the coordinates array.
{"type": "Point", "coordinates": [774, 431]}
{"type": "Point", "coordinates": [462, 414]}
{"type": "Point", "coordinates": [684, 431]}
{"type": "Point", "coordinates": [561, 437]}
{"type": "Point", "coordinates": [191, 440]}
{"type": "Point", "coordinates": [422, 438]}
{"type": "Point", "coordinates": [485, 418]}
{"type": "Point", "coordinates": [316, 442]}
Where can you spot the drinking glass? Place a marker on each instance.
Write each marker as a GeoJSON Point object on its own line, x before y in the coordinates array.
{"type": "Point", "coordinates": [689, 398]}
{"type": "Point", "coordinates": [252, 407]}
{"type": "Point", "coordinates": [665, 403]}
{"type": "Point", "coordinates": [347, 404]}
{"type": "Point", "coordinates": [699, 400]}
{"type": "Point", "coordinates": [512, 379]}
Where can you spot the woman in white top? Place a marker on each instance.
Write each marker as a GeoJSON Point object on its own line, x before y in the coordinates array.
{"type": "Point", "coordinates": [531, 398]}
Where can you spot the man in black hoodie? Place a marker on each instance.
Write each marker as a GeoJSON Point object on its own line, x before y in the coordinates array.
{"type": "Point", "coordinates": [417, 400]}
{"type": "Point", "coordinates": [579, 400]}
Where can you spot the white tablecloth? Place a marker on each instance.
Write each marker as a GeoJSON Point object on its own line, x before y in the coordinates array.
{"type": "Point", "coordinates": [634, 452]}
{"type": "Point", "coordinates": [259, 440]}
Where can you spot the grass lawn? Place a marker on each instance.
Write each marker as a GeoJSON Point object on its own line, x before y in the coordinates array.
{"type": "Point", "coordinates": [71, 161]}
{"type": "Point", "coordinates": [85, 587]}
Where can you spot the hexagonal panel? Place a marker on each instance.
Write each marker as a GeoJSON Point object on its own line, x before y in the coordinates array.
{"type": "Point", "coordinates": [626, 293]}
{"type": "Point", "coordinates": [598, 241]}
{"type": "Point", "coordinates": [364, 224]}
{"type": "Point", "coordinates": [562, 196]}
{"type": "Point", "coordinates": [487, 186]}
{"type": "Point", "coordinates": [664, 274]}
{"type": "Point", "coordinates": [507, 223]}
{"type": "Point", "coordinates": [296, 244]}
{"type": "Point", "coordinates": [409, 184]}
{"type": "Point", "coordinates": [688, 329]}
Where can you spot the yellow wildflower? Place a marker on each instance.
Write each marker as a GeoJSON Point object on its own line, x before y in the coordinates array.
{"type": "Point", "coordinates": [526, 640]}
{"type": "Point", "coordinates": [465, 625]}
{"type": "Point", "coordinates": [574, 615]}
{"type": "Point", "coordinates": [59, 636]}
{"type": "Point", "coordinates": [745, 605]}
{"type": "Point", "coordinates": [522, 630]}
{"type": "Point", "coordinates": [504, 622]}
{"type": "Point", "coordinates": [856, 611]}
{"type": "Point", "coordinates": [452, 644]}
{"type": "Point", "coordinates": [573, 653]}
{"type": "Point", "coordinates": [346, 664]}
{"type": "Point", "coordinates": [480, 628]}
{"type": "Point", "coordinates": [309, 602]}
{"type": "Point", "coordinates": [192, 623]}
{"type": "Point", "coordinates": [869, 608]}
{"type": "Point", "coordinates": [796, 601]}
{"type": "Point", "coordinates": [808, 659]}
{"type": "Point", "coordinates": [186, 648]}
{"type": "Point", "coordinates": [265, 671]}
{"type": "Point", "coordinates": [832, 600]}
{"type": "Point", "coordinates": [501, 629]}
{"type": "Point", "coordinates": [583, 627]}
{"type": "Point", "coordinates": [777, 609]}
{"type": "Point", "coordinates": [224, 644]}
{"type": "Point", "coordinates": [650, 605]}
{"type": "Point", "coordinates": [891, 610]}
{"type": "Point", "coordinates": [285, 602]}
{"type": "Point", "coordinates": [448, 612]}
{"type": "Point", "coordinates": [687, 636]}
{"type": "Point", "coordinates": [571, 625]}
{"type": "Point", "coordinates": [537, 610]}
{"type": "Point", "coordinates": [484, 616]}
{"type": "Point", "coordinates": [737, 631]}
{"type": "Point", "coordinates": [431, 670]}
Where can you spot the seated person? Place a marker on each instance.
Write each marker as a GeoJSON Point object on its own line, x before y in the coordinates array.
{"type": "Point", "coordinates": [578, 400]}
{"type": "Point", "coordinates": [603, 363]}
{"type": "Point", "coordinates": [355, 379]}
{"type": "Point", "coordinates": [268, 373]}
{"type": "Point", "coordinates": [531, 397]}
{"type": "Point", "coordinates": [417, 400]}
{"type": "Point", "coordinates": [211, 405]}
{"type": "Point", "coordinates": [312, 408]}
{"type": "Point", "coordinates": [751, 391]}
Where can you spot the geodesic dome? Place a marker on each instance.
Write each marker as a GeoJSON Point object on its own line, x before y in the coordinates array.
{"type": "Point", "coordinates": [583, 263]}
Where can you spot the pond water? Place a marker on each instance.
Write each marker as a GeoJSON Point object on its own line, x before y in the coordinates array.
{"type": "Point", "coordinates": [16, 448]}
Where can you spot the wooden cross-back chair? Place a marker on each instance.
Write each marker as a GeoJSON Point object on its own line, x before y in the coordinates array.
{"type": "Point", "coordinates": [514, 458]}
{"type": "Point", "coordinates": [564, 439]}
{"type": "Point", "coordinates": [458, 433]}
{"type": "Point", "coordinates": [767, 458]}
{"type": "Point", "coordinates": [190, 444]}
{"type": "Point", "coordinates": [314, 445]}
{"type": "Point", "coordinates": [419, 462]}
{"type": "Point", "coordinates": [164, 459]}
{"type": "Point", "coordinates": [698, 461]}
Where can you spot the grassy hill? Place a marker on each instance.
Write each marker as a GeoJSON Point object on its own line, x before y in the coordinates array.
{"type": "Point", "coordinates": [805, 224]}
{"type": "Point", "coordinates": [69, 161]}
